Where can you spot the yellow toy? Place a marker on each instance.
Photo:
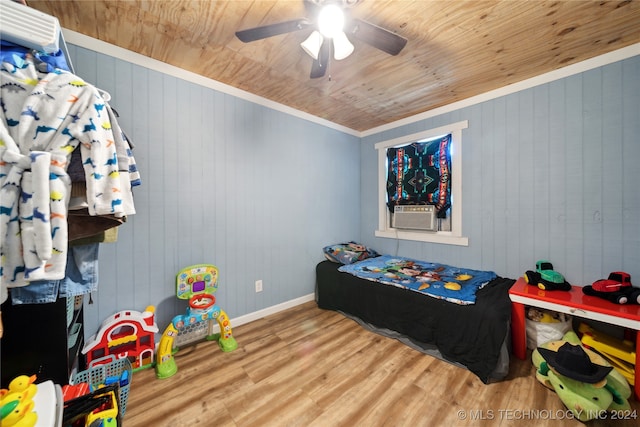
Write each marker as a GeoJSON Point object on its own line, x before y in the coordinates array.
{"type": "Point", "coordinates": [21, 396]}
{"type": "Point", "coordinates": [16, 402]}
{"type": "Point", "coordinates": [110, 412]}
{"type": "Point", "coordinates": [544, 316]}
{"type": "Point", "coordinates": [18, 413]}
{"type": "Point", "coordinates": [620, 353]}
{"type": "Point", "coordinates": [18, 384]}
{"type": "Point", "coordinates": [29, 420]}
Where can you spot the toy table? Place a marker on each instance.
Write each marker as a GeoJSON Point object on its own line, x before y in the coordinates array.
{"type": "Point", "coordinates": [573, 302]}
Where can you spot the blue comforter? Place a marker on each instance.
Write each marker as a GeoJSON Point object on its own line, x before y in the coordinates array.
{"type": "Point", "coordinates": [453, 284]}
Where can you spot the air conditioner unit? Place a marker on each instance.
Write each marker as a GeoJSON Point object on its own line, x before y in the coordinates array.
{"type": "Point", "coordinates": [414, 217]}
{"type": "Point", "coordinates": [29, 27]}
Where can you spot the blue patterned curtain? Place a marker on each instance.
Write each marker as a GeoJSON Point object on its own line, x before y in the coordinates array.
{"type": "Point", "coordinates": [420, 173]}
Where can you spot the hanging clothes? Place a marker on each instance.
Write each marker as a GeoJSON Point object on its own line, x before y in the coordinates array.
{"type": "Point", "coordinates": [81, 277]}
{"type": "Point", "coordinates": [45, 116]}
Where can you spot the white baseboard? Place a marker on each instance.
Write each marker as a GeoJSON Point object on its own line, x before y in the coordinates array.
{"type": "Point", "coordinates": [250, 317]}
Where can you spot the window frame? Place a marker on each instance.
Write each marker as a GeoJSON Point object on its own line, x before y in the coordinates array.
{"type": "Point", "coordinates": [453, 237]}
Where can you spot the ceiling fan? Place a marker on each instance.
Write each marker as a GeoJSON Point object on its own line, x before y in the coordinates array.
{"type": "Point", "coordinates": [332, 26]}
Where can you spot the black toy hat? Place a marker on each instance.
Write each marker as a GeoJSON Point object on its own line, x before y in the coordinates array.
{"type": "Point", "coordinates": [573, 362]}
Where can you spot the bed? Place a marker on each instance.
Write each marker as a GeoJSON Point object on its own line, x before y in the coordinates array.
{"type": "Point", "coordinates": [474, 336]}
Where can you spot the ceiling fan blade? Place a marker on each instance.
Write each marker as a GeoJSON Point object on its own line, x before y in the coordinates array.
{"type": "Point", "coordinates": [259, 33]}
{"type": "Point", "coordinates": [376, 36]}
{"type": "Point", "coordinates": [312, 7]}
{"type": "Point", "coordinates": [320, 65]}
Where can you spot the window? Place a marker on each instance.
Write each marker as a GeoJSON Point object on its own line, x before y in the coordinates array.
{"type": "Point", "coordinates": [449, 227]}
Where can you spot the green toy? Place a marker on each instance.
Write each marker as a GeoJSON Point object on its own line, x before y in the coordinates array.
{"type": "Point", "coordinates": [546, 278]}
{"type": "Point", "coordinates": [585, 400]}
{"type": "Point", "coordinates": [585, 382]}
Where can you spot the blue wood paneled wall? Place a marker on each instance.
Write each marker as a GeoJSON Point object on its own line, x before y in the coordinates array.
{"type": "Point", "coordinates": [548, 172]}
{"type": "Point", "coordinates": [551, 172]}
{"type": "Point", "coordinates": [254, 191]}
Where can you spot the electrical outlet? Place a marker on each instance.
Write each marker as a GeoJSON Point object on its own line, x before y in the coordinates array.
{"type": "Point", "coordinates": [258, 285]}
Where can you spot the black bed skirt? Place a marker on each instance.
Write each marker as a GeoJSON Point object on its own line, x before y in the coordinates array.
{"type": "Point", "coordinates": [473, 336]}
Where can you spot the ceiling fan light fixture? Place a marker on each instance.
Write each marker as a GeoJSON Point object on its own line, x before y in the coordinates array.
{"type": "Point", "coordinates": [312, 44]}
{"type": "Point", "coordinates": [342, 47]}
{"type": "Point", "coordinates": [331, 20]}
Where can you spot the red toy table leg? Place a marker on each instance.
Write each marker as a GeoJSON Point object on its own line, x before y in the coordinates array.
{"type": "Point", "coordinates": [518, 331]}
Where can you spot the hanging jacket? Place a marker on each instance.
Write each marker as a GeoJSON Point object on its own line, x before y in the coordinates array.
{"type": "Point", "coordinates": [44, 117]}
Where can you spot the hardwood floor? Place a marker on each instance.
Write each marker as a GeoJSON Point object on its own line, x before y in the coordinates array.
{"type": "Point", "coordinates": [310, 367]}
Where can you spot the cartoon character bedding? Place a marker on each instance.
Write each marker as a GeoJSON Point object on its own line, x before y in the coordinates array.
{"type": "Point", "coordinates": [453, 284]}
{"type": "Point", "coordinates": [460, 315]}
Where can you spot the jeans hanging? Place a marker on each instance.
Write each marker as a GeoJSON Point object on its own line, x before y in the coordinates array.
{"type": "Point", "coordinates": [81, 278]}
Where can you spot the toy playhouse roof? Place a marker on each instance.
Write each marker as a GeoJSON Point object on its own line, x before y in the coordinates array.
{"type": "Point", "coordinates": [131, 317]}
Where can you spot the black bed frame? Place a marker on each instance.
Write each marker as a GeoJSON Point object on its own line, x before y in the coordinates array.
{"type": "Point", "coordinates": [475, 336]}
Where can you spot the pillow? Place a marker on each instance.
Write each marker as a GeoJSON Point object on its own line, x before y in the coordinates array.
{"type": "Point", "coordinates": [348, 253]}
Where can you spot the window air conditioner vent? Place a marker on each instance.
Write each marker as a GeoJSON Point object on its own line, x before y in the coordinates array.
{"type": "Point", "coordinates": [414, 217]}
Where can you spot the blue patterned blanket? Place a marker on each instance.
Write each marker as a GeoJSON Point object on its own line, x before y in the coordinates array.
{"type": "Point", "coordinates": [453, 284]}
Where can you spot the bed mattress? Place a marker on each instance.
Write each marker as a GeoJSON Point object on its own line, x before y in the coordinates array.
{"type": "Point", "coordinates": [474, 336]}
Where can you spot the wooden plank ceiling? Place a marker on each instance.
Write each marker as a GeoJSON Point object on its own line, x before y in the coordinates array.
{"type": "Point", "coordinates": [456, 49]}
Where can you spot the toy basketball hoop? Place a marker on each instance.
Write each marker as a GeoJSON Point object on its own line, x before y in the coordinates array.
{"type": "Point", "coordinates": [197, 283]}
{"type": "Point", "coordinates": [202, 301]}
